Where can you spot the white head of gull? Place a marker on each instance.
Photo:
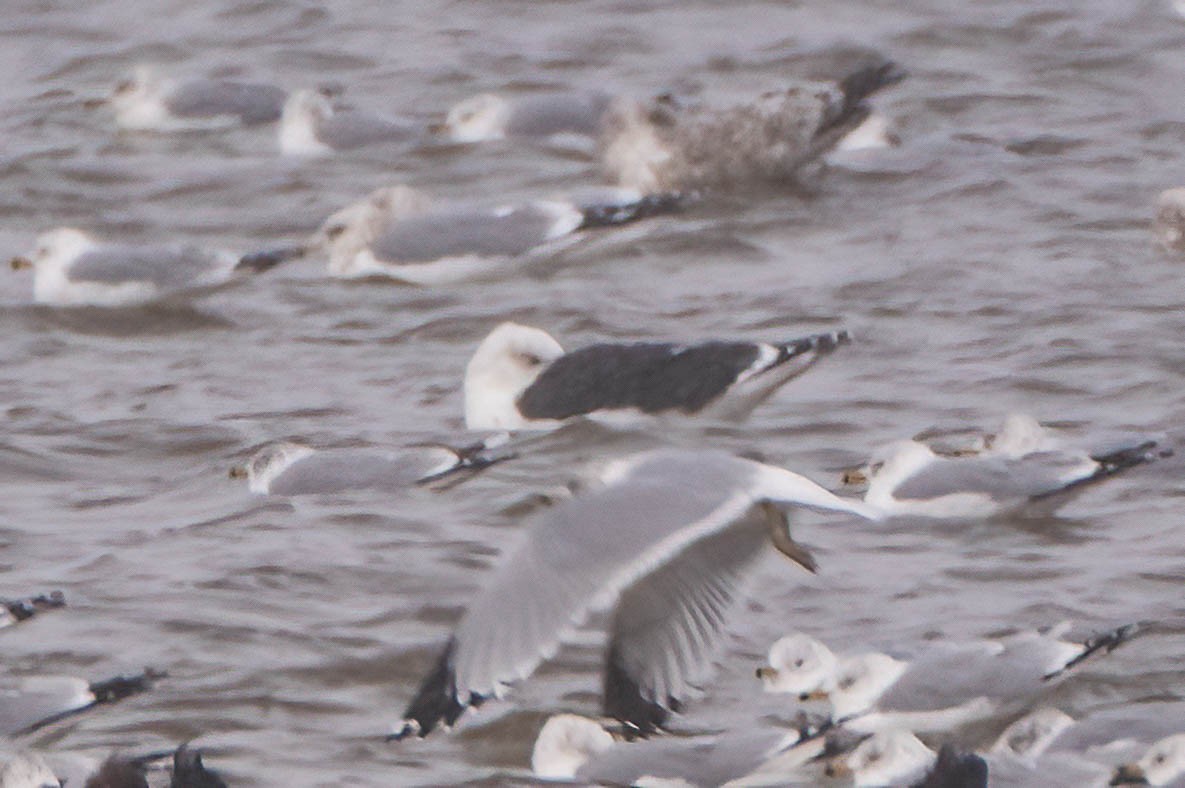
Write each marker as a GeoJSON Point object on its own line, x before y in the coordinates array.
{"type": "Point", "coordinates": [303, 113]}
{"type": "Point", "coordinates": [1031, 735]}
{"type": "Point", "coordinates": [799, 664]}
{"type": "Point", "coordinates": [565, 743]}
{"type": "Point", "coordinates": [520, 378]}
{"type": "Point", "coordinates": [139, 102]}
{"type": "Point", "coordinates": [478, 119]}
{"type": "Point", "coordinates": [71, 268]}
{"type": "Point", "coordinates": [1162, 764]}
{"type": "Point", "coordinates": [667, 543]}
{"type": "Point", "coordinates": [26, 769]}
{"type": "Point", "coordinates": [352, 229]}
{"type": "Point", "coordinates": [893, 757]}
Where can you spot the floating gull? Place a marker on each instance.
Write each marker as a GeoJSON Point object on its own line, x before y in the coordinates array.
{"type": "Point", "coordinates": [520, 377]}
{"type": "Point", "coordinates": [25, 769]}
{"type": "Point", "coordinates": [311, 126]}
{"type": "Point", "coordinates": [944, 687]}
{"type": "Point", "coordinates": [287, 468]}
{"type": "Point", "coordinates": [1033, 734]}
{"type": "Point", "coordinates": [14, 611]}
{"type": "Point", "coordinates": [70, 268]}
{"type": "Point", "coordinates": [1162, 764]}
{"type": "Point", "coordinates": [570, 747]}
{"type": "Point", "coordinates": [897, 757]}
{"type": "Point", "coordinates": [152, 103]}
{"type": "Point", "coordinates": [1170, 218]}
{"type": "Point", "coordinates": [663, 145]}
{"type": "Point", "coordinates": [1020, 471]}
{"type": "Point", "coordinates": [401, 233]}
{"type": "Point", "coordinates": [668, 536]}
{"type": "Point", "coordinates": [39, 701]}
{"type": "Point", "coordinates": [548, 116]}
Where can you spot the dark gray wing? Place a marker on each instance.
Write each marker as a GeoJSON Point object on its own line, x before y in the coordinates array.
{"type": "Point", "coordinates": [250, 102]}
{"type": "Point", "coordinates": [667, 625]}
{"type": "Point", "coordinates": [464, 232]}
{"type": "Point", "coordinates": [543, 116]}
{"type": "Point", "coordinates": [347, 129]}
{"type": "Point", "coordinates": [650, 377]}
{"type": "Point", "coordinates": [337, 470]}
{"type": "Point", "coordinates": [577, 557]}
{"type": "Point", "coordinates": [165, 267]}
{"type": "Point", "coordinates": [1000, 478]}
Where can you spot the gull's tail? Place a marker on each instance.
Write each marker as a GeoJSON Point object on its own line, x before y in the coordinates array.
{"type": "Point", "coordinates": [849, 109]}
{"type": "Point", "coordinates": [1113, 463]}
{"type": "Point", "coordinates": [258, 262]}
{"type": "Point", "coordinates": [611, 214]}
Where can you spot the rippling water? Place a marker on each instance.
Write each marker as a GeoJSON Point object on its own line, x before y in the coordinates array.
{"type": "Point", "coordinates": [999, 260]}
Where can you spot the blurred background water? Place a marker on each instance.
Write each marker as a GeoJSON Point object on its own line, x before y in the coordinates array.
{"type": "Point", "coordinates": [999, 260]}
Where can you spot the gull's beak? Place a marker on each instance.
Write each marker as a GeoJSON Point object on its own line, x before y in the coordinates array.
{"type": "Point", "coordinates": [94, 103]}
{"type": "Point", "coordinates": [779, 531]}
{"type": "Point", "coordinates": [766, 673]}
{"type": "Point", "coordinates": [238, 472]}
{"type": "Point", "coordinates": [1129, 774]}
{"type": "Point", "coordinates": [814, 695]}
{"type": "Point", "coordinates": [837, 767]}
{"type": "Point", "coordinates": [855, 476]}
{"type": "Point", "coordinates": [19, 262]}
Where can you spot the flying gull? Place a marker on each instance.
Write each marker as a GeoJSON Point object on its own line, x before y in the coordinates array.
{"type": "Point", "coordinates": [148, 102]}
{"type": "Point", "coordinates": [71, 268]}
{"type": "Point", "coordinates": [402, 233]}
{"type": "Point", "coordinates": [668, 536]}
{"type": "Point", "coordinates": [947, 685]}
{"type": "Point", "coordinates": [310, 125]}
{"type": "Point", "coordinates": [548, 117]}
{"type": "Point", "coordinates": [1021, 472]}
{"type": "Point", "coordinates": [666, 145]}
{"type": "Point", "coordinates": [521, 378]}
{"type": "Point", "coordinates": [287, 468]}
{"type": "Point", "coordinates": [38, 701]}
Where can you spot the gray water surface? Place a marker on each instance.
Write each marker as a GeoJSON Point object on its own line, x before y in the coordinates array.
{"type": "Point", "coordinates": [999, 260]}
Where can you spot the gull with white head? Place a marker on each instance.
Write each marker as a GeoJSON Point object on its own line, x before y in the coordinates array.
{"type": "Point", "coordinates": [310, 125]}
{"type": "Point", "coordinates": [520, 378]}
{"type": "Point", "coordinates": [287, 468]}
{"type": "Point", "coordinates": [1024, 470]}
{"type": "Point", "coordinates": [546, 117]}
{"type": "Point", "coordinates": [944, 686]}
{"type": "Point", "coordinates": [72, 268]}
{"type": "Point", "coordinates": [667, 539]}
{"type": "Point", "coordinates": [149, 102]}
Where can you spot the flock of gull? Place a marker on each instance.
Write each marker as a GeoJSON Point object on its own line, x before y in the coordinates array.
{"type": "Point", "coordinates": [664, 541]}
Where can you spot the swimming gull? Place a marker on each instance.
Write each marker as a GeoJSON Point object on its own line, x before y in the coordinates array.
{"type": "Point", "coordinates": [1170, 218]}
{"type": "Point", "coordinates": [571, 747]}
{"type": "Point", "coordinates": [1031, 735]}
{"type": "Point", "coordinates": [404, 234]}
{"type": "Point", "coordinates": [14, 611]}
{"type": "Point", "coordinates": [947, 685]}
{"type": "Point", "coordinates": [549, 116]}
{"type": "Point", "coordinates": [310, 125]}
{"type": "Point", "coordinates": [665, 145]}
{"type": "Point", "coordinates": [148, 102]}
{"type": "Point", "coordinates": [898, 757]}
{"type": "Point", "coordinates": [38, 701]}
{"type": "Point", "coordinates": [71, 268]}
{"type": "Point", "coordinates": [26, 769]}
{"type": "Point", "coordinates": [288, 468]}
{"type": "Point", "coordinates": [1022, 471]}
{"type": "Point", "coordinates": [668, 536]}
{"type": "Point", "coordinates": [520, 378]}
{"type": "Point", "coordinates": [1162, 764]}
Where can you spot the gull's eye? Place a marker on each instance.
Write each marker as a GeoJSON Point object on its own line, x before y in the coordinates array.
{"type": "Point", "coordinates": [530, 359]}
{"type": "Point", "coordinates": [334, 231]}
{"type": "Point", "coordinates": [1159, 759]}
{"type": "Point", "coordinates": [124, 86]}
{"type": "Point", "coordinates": [798, 663]}
{"type": "Point", "coordinates": [846, 682]}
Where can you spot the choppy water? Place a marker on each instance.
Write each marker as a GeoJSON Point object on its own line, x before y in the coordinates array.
{"type": "Point", "coordinates": [999, 260]}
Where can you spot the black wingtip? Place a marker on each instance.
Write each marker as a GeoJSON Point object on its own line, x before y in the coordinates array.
{"type": "Point", "coordinates": [24, 609]}
{"type": "Point", "coordinates": [1131, 456]}
{"type": "Point", "coordinates": [623, 701]}
{"type": "Point", "coordinates": [613, 214]}
{"type": "Point", "coordinates": [1103, 643]}
{"type": "Point", "coordinates": [436, 702]}
{"type": "Point", "coordinates": [190, 772]}
{"type": "Point", "coordinates": [119, 687]}
{"type": "Point", "coordinates": [816, 343]}
{"type": "Point", "coordinates": [851, 110]}
{"type": "Point", "coordinates": [258, 262]}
